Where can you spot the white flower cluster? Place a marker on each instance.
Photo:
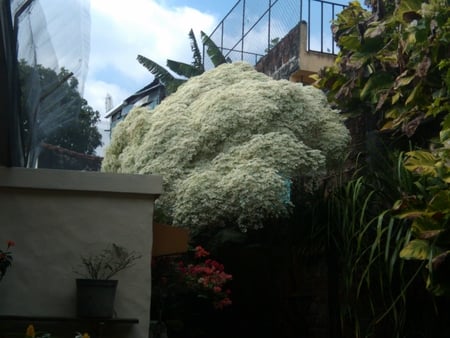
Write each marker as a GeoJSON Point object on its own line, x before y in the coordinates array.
{"type": "Point", "coordinates": [228, 143]}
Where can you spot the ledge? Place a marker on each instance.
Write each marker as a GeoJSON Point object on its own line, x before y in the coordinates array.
{"type": "Point", "coordinates": [51, 179]}
{"type": "Point", "coordinates": [69, 319]}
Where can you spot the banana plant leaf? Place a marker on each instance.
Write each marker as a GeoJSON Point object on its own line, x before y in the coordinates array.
{"type": "Point", "coordinates": [214, 52]}
{"type": "Point", "coordinates": [196, 54]}
{"type": "Point", "coordinates": [161, 73]}
{"type": "Point", "coordinates": [183, 69]}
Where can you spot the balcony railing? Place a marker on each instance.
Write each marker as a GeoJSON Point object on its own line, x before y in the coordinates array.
{"type": "Point", "coordinates": [252, 27]}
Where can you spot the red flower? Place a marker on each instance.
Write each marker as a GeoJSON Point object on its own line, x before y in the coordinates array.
{"type": "Point", "coordinates": [199, 275]}
{"type": "Point", "coordinates": [11, 244]}
{"type": "Point", "coordinates": [222, 303]}
{"type": "Point", "coordinates": [200, 252]}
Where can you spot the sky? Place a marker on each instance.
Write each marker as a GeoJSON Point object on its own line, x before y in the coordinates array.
{"type": "Point", "coordinates": [157, 29]}
{"type": "Point", "coordinates": [108, 35]}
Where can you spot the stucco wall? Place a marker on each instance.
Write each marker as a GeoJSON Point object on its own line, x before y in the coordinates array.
{"type": "Point", "coordinates": [54, 216]}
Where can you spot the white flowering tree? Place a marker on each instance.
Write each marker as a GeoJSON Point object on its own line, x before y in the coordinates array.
{"type": "Point", "coordinates": [229, 143]}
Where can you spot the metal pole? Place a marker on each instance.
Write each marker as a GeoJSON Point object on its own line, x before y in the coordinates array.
{"type": "Point", "coordinates": [321, 27]}
{"type": "Point", "coordinates": [332, 37]}
{"type": "Point", "coordinates": [243, 30]}
{"type": "Point", "coordinates": [309, 25]}
{"type": "Point", "coordinates": [268, 24]}
{"type": "Point", "coordinates": [301, 11]}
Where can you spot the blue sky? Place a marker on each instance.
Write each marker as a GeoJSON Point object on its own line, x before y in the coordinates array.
{"type": "Point", "coordinates": [157, 29]}
{"type": "Point", "coordinates": [215, 7]}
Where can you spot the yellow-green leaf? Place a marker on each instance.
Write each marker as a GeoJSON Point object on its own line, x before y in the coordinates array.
{"type": "Point", "coordinates": [422, 162]}
{"type": "Point", "coordinates": [412, 96]}
{"type": "Point", "coordinates": [395, 98]}
{"type": "Point", "coordinates": [416, 249]}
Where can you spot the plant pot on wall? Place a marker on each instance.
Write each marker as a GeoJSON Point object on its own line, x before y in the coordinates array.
{"type": "Point", "coordinates": [95, 298]}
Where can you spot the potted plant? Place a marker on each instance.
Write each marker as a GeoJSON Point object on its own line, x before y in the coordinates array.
{"type": "Point", "coordinates": [6, 258]}
{"type": "Point", "coordinates": [96, 290]}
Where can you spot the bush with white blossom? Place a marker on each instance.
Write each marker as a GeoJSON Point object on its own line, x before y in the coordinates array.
{"type": "Point", "coordinates": [228, 144]}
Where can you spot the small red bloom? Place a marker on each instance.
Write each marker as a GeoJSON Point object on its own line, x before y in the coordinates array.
{"type": "Point", "coordinates": [200, 252]}
{"type": "Point", "coordinates": [11, 244]}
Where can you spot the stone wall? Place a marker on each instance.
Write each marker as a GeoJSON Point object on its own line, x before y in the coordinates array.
{"type": "Point", "coordinates": [282, 59]}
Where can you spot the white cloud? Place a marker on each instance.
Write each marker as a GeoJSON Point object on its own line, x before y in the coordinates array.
{"type": "Point", "coordinates": [120, 31]}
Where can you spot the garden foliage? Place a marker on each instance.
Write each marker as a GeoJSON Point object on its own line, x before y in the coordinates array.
{"type": "Point", "coordinates": [229, 143]}
{"type": "Point", "coordinates": [393, 70]}
{"type": "Point", "coordinates": [394, 63]}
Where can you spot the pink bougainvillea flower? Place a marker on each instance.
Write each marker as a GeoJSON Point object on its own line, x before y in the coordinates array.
{"type": "Point", "coordinates": [222, 303]}
{"type": "Point", "coordinates": [200, 252]}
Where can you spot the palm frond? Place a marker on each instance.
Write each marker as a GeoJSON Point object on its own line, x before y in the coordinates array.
{"type": "Point", "coordinates": [170, 82]}
{"type": "Point", "coordinates": [159, 71]}
{"type": "Point", "coordinates": [214, 52]}
{"type": "Point", "coordinates": [183, 69]}
{"type": "Point", "coordinates": [196, 54]}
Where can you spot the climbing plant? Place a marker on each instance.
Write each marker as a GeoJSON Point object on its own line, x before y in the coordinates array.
{"type": "Point", "coordinates": [394, 63]}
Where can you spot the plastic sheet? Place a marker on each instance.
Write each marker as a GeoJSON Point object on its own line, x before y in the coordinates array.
{"type": "Point", "coordinates": [53, 40]}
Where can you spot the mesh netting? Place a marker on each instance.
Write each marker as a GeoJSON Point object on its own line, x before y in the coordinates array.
{"type": "Point", "coordinates": [53, 39]}
{"type": "Point", "coordinates": [253, 27]}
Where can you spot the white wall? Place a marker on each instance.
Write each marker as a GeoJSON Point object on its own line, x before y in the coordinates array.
{"type": "Point", "coordinates": [55, 216]}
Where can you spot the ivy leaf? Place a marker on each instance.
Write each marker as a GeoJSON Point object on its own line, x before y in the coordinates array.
{"type": "Point", "coordinates": [409, 10]}
{"type": "Point", "coordinates": [441, 202]}
{"type": "Point", "coordinates": [374, 30]}
{"type": "Point", "coordinates": [403, 80]}
{"type": "Point", "coordinates": [376, 82]}
{"type": "Point", "coordinates": [444, 135]}
{"type": "Point", "coordinates": [413, 94]}
{"type": "Point", "coordinates": [416, 249]}
{"type": "Point", "coordinates": [421, 161]}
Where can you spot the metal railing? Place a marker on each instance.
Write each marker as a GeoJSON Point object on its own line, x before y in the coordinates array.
{"type": "Point", "coordinates": [252, 27]}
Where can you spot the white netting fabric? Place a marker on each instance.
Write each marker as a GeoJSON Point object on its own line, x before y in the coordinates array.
{"type": "Point", "coordinates": [53, 39]}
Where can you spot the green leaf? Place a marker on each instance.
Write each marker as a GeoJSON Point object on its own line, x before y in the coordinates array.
{"type": "Point", "coordinates": [197, 55]}
{"type": "Point", "coordinates": [413, 94]}
{"type": "Point", "coordinates": [159, 71]}
{"type": "Point", "coordinates": [403, 80]}
{"type": "Point", "coordinates": [446, 122]}
{"type": "Point", "coordinates": [212, 50]}
{"type": "Point", "coordinates": [375, 83]}
{"type": "Point", "coordinates": [441, 202]}
{"type": "Point", "coordinates": [395, 98]}
{"type": "Point", "coordinates": [425, 227]}
{"type": "Point", "coordinates": [183, 69]}
{"type": "Point", "coordinates": [421, 161]}
{"type": "Point", "coordinates": [406, 7]}
{"type": "Point", "coordinates": [350, 42]}
{"type": "Point", "coordinates": [416, 249]}
{"type": "Point", "coordinates": [411, 214]}
{"type": "Point", "coordinates": [375, 30]}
